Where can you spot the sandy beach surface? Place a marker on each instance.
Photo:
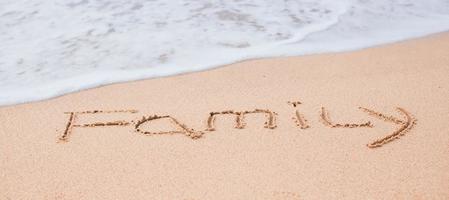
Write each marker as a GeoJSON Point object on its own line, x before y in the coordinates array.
{"type": "Point", "coordinates": [369, 124]}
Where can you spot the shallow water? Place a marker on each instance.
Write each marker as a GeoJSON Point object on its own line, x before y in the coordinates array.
{"type": "Point", "coordinates": [50, 48]}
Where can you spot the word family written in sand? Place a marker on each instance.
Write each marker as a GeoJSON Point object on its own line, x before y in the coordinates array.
{"type": "Point", "coordinates": [404, 125]}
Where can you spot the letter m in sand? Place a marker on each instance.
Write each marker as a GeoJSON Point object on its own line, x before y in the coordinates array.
{"type": "Point", "coordinates": [240, 118]}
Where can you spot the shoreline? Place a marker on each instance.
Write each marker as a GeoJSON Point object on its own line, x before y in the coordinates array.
{"type": "Point", "coordinates": [146, 77]}
{"type": "Point", "coordinates": [366, 124]}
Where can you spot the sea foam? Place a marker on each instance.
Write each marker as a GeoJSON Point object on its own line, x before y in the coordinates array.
{"type": "Point", "coordinates": [49, 48]}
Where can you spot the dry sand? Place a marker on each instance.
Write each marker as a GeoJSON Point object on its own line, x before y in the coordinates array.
{"type": "Point", "coordinates": [325, 147]}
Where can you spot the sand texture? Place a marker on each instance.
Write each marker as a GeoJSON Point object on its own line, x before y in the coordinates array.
{"type": "Point", "coordinates": [369, 124]}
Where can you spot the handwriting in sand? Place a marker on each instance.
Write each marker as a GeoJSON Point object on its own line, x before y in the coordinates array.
{"type": "Point", "coordinates": [405, 124]}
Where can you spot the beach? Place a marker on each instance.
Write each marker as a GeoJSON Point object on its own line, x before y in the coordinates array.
{"type": "Point", "coordinates": [366, 124]}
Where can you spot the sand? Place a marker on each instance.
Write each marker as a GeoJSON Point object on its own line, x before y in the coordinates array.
{"type": "Point", "coordinates": [369, 124]}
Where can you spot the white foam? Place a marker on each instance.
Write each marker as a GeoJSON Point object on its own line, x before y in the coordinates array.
{"type": "Point", "coordinates": [50, 48]}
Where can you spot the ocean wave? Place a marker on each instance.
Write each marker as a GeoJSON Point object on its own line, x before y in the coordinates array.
{"type": "Point", "coordinates": [50, 48]}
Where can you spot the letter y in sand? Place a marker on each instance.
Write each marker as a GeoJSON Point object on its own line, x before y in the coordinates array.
{"type": "Point", "coordinates": [406, 125]}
